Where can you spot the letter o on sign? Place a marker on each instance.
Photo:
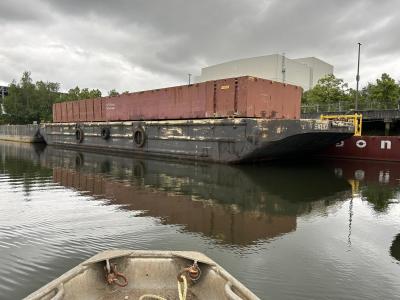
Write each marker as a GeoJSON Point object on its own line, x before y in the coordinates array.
{"type": "Point", "coordinates": [361, 144]}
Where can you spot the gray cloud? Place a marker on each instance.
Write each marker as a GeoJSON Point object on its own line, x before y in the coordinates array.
{"type": "Point", "coordinates": [133, 45]}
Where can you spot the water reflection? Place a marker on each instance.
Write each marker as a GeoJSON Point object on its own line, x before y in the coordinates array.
{"type": "Point", "coordinates": [28, 168]}
{"type": "Point", "coordinates": [395, 247]}
{"type": "Point", "coordinates": [232, 204]}
{"type": "Point", "coordinates": [81, 203]}
{"type": "Point", "coordinates": [376, 182]}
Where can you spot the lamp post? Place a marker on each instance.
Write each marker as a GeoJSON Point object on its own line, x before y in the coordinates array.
{"type": "Point", "coordinates": [358, 75]}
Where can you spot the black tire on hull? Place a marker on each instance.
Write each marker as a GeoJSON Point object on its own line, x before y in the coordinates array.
{"type": "Point", "coordinates": [139, 137]}
{"type": "Point", "coordinates": [79, 135]}
{"type": "Point", "coordinates": [105, 133]}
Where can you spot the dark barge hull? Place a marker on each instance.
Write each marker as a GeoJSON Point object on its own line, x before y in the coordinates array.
{"type": "Point", "coordinates": [218, 140]}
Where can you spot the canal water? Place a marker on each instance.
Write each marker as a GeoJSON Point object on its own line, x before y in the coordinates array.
{"type": "Point", "coordinates": [326, 230]}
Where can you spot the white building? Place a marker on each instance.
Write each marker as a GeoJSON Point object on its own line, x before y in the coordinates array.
{"type": "Point", "coordinates": [304, 72]}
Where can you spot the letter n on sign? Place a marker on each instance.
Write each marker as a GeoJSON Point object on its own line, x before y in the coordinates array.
{"type": "Point", "coordinates": [386, 145]}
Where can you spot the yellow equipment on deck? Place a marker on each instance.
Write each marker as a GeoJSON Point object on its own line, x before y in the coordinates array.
{"type": "Point", "coordinates": [357, 121]}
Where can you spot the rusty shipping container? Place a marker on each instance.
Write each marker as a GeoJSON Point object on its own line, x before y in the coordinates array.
{"type": "Point", "coordinates": [55, 112]}
{"type": "Point", "coordinates": [70, 112]}
{"type": "Point", "coordinates": [97, 110]}
{"type": "Point", "coordinates": [82, 110]}
{"type": "Point", "coordinates": [89, 109]}
{"type": "Point", "coordinates": [242, 97]}
{"type": "Point", "coordinates": [63, 113]}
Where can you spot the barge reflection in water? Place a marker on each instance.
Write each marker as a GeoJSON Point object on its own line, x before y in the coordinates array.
{"type": "Point", "coordinates": [281, 230]}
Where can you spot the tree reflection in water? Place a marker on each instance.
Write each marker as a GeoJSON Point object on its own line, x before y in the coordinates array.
{"type": "Point", "coordinates": [395, 248]}
{"type": "Point", "coordinates": [375, 181]}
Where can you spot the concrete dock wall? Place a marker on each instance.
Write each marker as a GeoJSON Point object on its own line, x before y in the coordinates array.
{"type": "Point", "coordinates": [21, 133]}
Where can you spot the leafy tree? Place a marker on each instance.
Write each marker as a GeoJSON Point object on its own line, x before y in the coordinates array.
{"type": "Point", "coordinates": [46, 92]}
{"type": "Point", "coordinates": [328, 90]}
{"type": "Point", "coordinates": [78, 94]}
{"type": "Point", "coordinates": [27, 102]}
{"type": "Point", "coordinates": [113, 93]}
{"type": "Point", "coordinates": [73, 94]}
{"type": "Point", "coordinates": [88, 94]}
{"type": "Point", "coordinates": [385, 93]}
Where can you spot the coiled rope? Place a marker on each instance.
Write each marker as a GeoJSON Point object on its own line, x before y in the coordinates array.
{"type": "Point", "coordinates": [182, 291]}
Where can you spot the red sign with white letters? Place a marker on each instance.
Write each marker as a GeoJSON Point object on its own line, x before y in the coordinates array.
{"type": "Point", "coordinates": [367, 147]}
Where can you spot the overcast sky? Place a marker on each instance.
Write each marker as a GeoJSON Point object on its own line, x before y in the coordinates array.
{"type": "Point", "coordinates": [135, 45]}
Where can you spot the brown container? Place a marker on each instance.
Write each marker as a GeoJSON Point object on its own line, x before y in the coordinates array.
{"type": "Point", "coordinates": [225, 96]}
{"type": "Point", "coordinates": [89, 110]}
{"type": "Point", "coordinates": [59, 112]}
{"type": "Point", "coordinates": [272, 100]}
{"type": "Point", "coordinates": [54, 110]}
{"type": "Point", "coordinates": [70, 112]}
{"type": "Point", "coordinates": [97, 110]}
{"type": "Point", "coordinates": [243, 97]}
{"type": "Point", "coordinates": [75, 110]}
{"type": "Point", "coordinates": [82, 110]}
{"type": "Point", "coordinates": [63, 109]}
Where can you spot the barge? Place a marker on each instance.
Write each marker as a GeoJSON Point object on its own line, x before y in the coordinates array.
{"type": "Point", "coordinates": [229, 120]}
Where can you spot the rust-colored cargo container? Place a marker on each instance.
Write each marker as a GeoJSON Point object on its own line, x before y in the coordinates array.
{"type": "Point", "coordinates": [272, 100]}
{"type": "Point", "coordinates": [64, 115]}
{"type": "Point", "coordinates": [55, 111]}
{"type": "Point", "coordinates": [242, 97]}
{"type": "Point", "coordinates": [97, 110]}
{"type": "Point", "coordinates": [58, 113]}
{"type": "Point", "coordinates": [89, 110]}
{"type": "Point", "coordinates": [75, 110]}
{"type": "Point", "coordinates": [70, 112]}
{"type": "Point", "coordinates": [82, 110]}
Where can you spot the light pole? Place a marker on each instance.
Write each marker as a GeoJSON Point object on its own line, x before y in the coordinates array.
{"type": "Point", "coordinates": [358, 75]}
{"type": "Point", "coordinates": [189, 77]}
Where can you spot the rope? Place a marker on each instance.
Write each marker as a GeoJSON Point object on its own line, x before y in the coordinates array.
{"type": "Point", "coordinates": [151, 296]}
{"type": "Point", "coordinates": [182, 291]}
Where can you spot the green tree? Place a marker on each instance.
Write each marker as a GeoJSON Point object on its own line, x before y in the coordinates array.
{"type": "Point", "coordinates": [27, 102]}
{"type": "Point", "coordinates": [113, 93]}
{"type": "Point", "coordinates": [46, 93]}
{"type": "Point", "coordinates": [385, 93]}
{"type": "Point", "coordinates": [89, 94]}
{"type": "Point", "coordinates": [328, 90]}
{"type": "Point", "coordinates": [78, 94]}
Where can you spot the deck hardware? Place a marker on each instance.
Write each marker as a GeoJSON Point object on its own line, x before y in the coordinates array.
{"type": "Point", "coordinates": [114, 277]}
{"type": "Point", "coordinates": [192, 271]}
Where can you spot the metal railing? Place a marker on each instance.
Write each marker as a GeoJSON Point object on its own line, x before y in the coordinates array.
{"type": "Point", "coordinates": [347, 107]}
